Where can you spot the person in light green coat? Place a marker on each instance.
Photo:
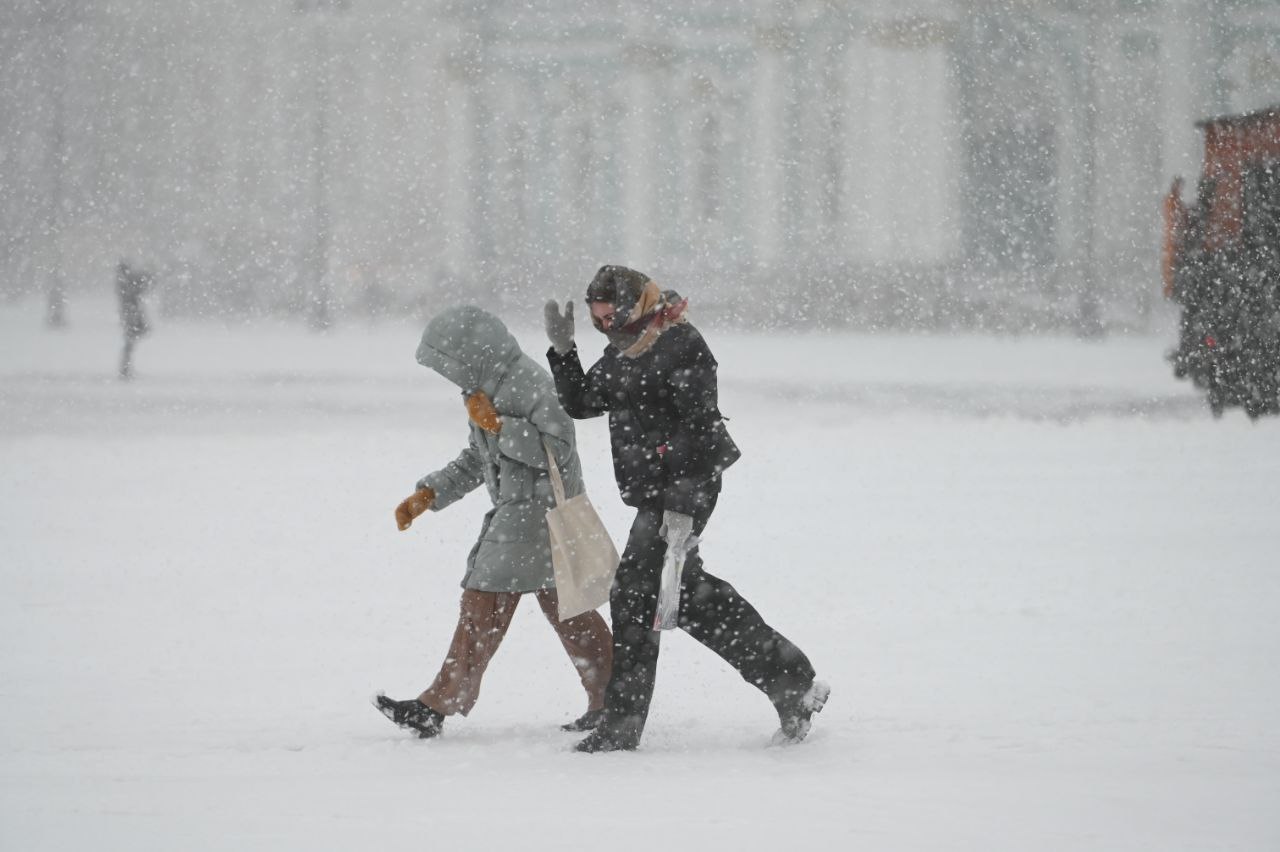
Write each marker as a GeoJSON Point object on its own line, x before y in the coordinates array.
{"type": "Point", "coordinates": [514, 416]}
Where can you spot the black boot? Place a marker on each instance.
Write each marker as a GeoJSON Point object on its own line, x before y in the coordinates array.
{"type": "Point", "coordinates": [588, 721]}
{"type": "Point", "coordinates": [795, 713]}
{"type": "Point", "coordinates": [411, 714]}
{"type": "Point", "coordinates": [610, 736]}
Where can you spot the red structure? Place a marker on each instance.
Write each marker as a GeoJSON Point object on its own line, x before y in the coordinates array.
{"type": "Point", "coordinates": [1234, 147]}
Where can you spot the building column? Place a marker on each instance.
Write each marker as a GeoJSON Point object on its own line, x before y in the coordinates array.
{"type": "Point", "coordinates": [639, 153]}
{"type": "Point", "coordinates": [767, 195]}
{"type": "Point", "coordinates": [461, 182]}
{"type": "Point", "coordinates": [1183, 98]}
{"type": "Point", "coordinates": [856, 132]}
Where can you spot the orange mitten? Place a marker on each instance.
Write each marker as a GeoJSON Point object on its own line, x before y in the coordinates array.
{"type": "Point", "coordinates": [414, 506]}
{"type": "Point", "coordinates": [483, 414]}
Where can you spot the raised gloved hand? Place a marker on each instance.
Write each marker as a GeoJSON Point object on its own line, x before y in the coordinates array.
{"type": "Point", "coordinates": [482, 413]}
{"type": "Point", "coordinates": [675, 530]}
{"type": "Point", "coordinates": [413, 506]}
{"type": "Point", "coordinates": [560, 328]}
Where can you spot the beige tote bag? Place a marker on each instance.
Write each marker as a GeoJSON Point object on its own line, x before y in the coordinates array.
{"type": "Point", "coordinates": [582, 554]}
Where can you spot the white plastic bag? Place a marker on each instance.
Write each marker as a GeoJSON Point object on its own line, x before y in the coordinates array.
{"type": "Point", "coordinates": [668, 612]}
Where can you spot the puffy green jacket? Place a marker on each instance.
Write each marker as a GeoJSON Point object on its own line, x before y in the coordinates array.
{"type": "Point", "coordinates": [473, 350]}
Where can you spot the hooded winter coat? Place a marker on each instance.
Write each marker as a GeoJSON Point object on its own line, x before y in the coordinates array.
{"type": "Point", "coordinates": [473, 350]}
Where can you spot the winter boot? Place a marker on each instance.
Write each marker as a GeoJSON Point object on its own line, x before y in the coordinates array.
{"type": "Point", "coordinates": [610, 736]}
{"type": "Point", "coordinates": [411, 714]}
{"type": "Point", "coordinates": [588, 721]}
{"type": "Point", "coordinates": [796, 713]}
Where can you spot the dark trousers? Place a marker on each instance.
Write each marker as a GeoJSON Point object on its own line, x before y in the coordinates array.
{"type": "Point", "coordinates": [126, 358]}
{"type": "Point", "coordinates": [711, 611]}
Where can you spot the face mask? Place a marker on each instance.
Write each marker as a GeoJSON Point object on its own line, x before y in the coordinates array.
{"type": "Point", "coordinates": [626, 336]}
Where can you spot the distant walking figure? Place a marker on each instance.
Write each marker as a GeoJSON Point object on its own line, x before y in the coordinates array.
{"type": "Point", "coordinates": [130, 285]}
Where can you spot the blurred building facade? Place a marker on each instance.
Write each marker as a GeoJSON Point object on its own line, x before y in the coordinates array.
{"type": "Point", "coordinates": [891, 163]}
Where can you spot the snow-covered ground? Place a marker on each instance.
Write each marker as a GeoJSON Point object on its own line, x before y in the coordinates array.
{"type": "Point", "coordinates": [1043, 583]}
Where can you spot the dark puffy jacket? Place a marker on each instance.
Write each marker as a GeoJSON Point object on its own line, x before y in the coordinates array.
{"type": "Point", "coordinates": [669, 440]}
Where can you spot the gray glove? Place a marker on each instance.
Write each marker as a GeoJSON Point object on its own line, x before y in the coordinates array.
{"type": "Point", "coordinates": [675, 530]}
{"type": "Point", "coordinates": [560, 328]}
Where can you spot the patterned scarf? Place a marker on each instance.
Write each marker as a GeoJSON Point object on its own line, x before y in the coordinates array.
{"type": "Point", "coordinates": [654, 312]}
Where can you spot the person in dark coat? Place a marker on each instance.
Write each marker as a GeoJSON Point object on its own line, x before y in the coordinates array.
{"type": "Point", "coordinates": [131, 284]}
{"type": "Point", "coordinates": [657, 382]}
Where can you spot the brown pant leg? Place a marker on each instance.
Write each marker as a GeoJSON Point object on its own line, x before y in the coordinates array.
{"type": "Point", "coordinates": [483, 620]}
{"type": "Point", "coordinates": [589, 644]}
